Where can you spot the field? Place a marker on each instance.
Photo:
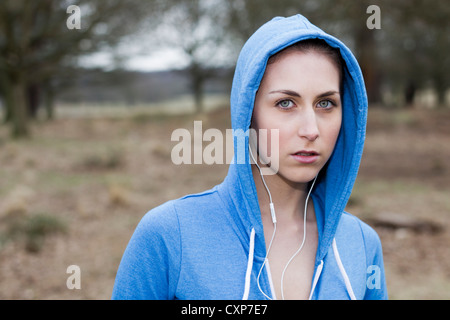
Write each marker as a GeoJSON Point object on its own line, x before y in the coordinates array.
{"type": "Point", "coordinates": [73, 194]}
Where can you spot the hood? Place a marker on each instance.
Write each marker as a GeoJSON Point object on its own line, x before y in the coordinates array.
{"type": "Point", "coordinates": [334, 185]}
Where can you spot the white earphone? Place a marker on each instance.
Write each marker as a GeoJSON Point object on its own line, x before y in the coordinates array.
{"type": "Point", "coordinates": [274, 220]}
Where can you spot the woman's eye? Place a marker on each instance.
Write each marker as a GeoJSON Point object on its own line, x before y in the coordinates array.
{"type": "Point", "coordinates": [325, 104]}
{"type": "Point", "coordinates": [285, 104]}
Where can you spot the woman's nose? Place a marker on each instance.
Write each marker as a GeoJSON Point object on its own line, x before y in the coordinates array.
{"type": "Point", "coordinates": [308, 128]}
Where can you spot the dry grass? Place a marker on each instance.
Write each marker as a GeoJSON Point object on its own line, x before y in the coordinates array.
{"type": "Point", "coordinates": [84, 184]}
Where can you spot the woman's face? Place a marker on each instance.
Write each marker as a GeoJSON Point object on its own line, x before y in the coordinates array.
{"type": "Point", "coordinates": [299, 95]}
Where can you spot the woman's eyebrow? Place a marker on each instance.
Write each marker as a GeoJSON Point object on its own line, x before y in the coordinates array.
{"type": "Point", "coordinates": [296, 94]}
{"type": "Point", "coordinates": [328, 93]}
{"type": "Point", "coordinates": [288, 92]}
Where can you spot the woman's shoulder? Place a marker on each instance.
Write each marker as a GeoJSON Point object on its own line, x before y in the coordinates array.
{"type": "Point", "coordinates": [166, 215]}
{"type": "Point", "coordinates": [352, 225]}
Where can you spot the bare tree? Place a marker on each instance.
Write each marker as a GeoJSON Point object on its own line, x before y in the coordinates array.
{"type": "Point", "coordinates": [197, 28]}
{"type": "Point", "coordinates": [36, 43]}
{"type": "Point", "coordinates": [418, 49]}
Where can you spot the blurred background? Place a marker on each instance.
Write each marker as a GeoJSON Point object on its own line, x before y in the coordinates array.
{"type": "Point", "coordinates": [90, 95]}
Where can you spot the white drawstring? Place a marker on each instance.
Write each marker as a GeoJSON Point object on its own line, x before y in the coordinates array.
{"type": "Point", "coordinates": [249, 265]}
{"type": "Point", "coordinates": [316, 278]}
{"type": "Point", "coordinates": [348, 285]}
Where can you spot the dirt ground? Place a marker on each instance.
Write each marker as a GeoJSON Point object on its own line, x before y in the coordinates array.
{"type": "Point", "coordinates": [74, 193]}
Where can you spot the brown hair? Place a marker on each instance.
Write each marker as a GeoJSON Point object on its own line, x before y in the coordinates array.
{"type": "Point", "coordinates": [314, 45]}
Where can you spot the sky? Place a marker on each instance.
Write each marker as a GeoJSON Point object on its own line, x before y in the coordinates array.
{"type": "Point", "coordinates": [144, 52]}
{"type": "Point", "coordinates": [164, 59]}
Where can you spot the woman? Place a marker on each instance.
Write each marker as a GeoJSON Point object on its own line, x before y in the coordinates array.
{"type": "Point", "coordinates": [276, 227]}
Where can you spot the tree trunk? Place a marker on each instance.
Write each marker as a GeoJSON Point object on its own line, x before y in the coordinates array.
{"type": "Point", "coordinates": [49, 98]}
{"type": "Point", "coordinates": [197, 82]}
{"type": "Point", "coordinates": [7, 116]}
{"type": "Point", "coordinates": [368, 62]}
{"type": "Point", "coordinates": [7, 97]}
{"type": "Point", "coordinates": [33, 93]}
{"type": "Point", "coordinates": [366, 52]}
{"type": "Point", "coordinates": [198, 95]}
{"type": "Point", "coordinates": [19, 108]}
{"type": "Point", "coordinates": [410, 92]}
{"type": "Point", "coordinates": [440, 88]}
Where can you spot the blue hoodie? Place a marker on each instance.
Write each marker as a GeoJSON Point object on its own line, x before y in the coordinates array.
{"type": "Point", "coordinates": [211, 245]}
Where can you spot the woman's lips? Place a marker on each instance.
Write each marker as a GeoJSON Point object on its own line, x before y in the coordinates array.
{"type": "Point", "coordinates": [305, 156]}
